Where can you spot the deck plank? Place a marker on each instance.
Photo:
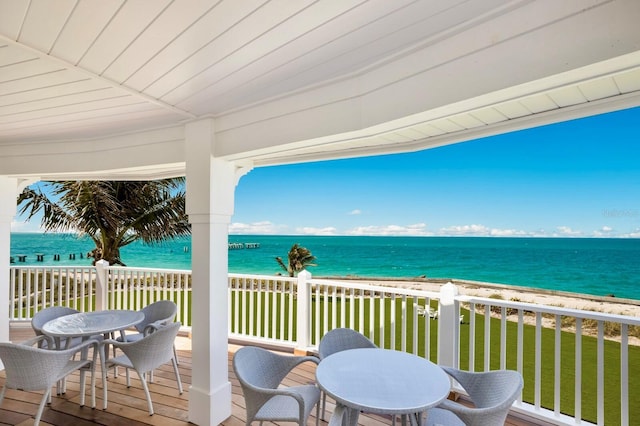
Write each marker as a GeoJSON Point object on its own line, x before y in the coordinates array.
{"type": "Point", "coordinates": [128, 406]}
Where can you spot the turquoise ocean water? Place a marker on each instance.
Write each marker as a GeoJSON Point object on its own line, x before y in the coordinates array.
{"type": "Point", "coordinates": [592, 266]}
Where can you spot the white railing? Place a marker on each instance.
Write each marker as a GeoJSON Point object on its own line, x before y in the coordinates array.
{"type": "Point", "coordinates": [586, 356]}
{"type": "Point", "coordinates": [263, 308]}
{"type": "Point", "coordinates": [568, 358]}
{"type": "Point", "coordinates": [128, 288]}
{"type": "Point", "coordinates": [36, 287]}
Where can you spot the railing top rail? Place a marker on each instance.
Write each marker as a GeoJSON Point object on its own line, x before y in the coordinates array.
{"type": "Point", "coordinates": [548, 309]}
{"type": "Point", "coordinates": [51, 267]}
{"type": "Point", "coordinates": [264, 277]}
{"type": "Point", "coordinates": [379, 288]}
{"type": "Point", "coordinates": [161, 270]}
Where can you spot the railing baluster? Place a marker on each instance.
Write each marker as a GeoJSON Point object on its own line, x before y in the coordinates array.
{"type": "Point", "coordinates": [557, 357]}
{"type": "Point", "coordinates": [487, 337]}
{"type": "Point", "coordinates": [600, 372]}
{"type": "Point", "coordinates": [578, 370]}
{"type": "Point", "coordinates": [624, 374]}
{"type": "Point", "coordinates": [538, 360]}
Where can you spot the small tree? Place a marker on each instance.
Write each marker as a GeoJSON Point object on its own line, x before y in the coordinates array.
{"type": "Point", "coordinates": [299, 258]}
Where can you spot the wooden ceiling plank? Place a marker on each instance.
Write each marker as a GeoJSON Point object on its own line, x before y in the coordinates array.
{"type": "Point", "coordinates": [489, 115]}
{"type": "Point", "coordinates": [43, 23]}
{"type": "Point", "coordinates": [72, 115]}
{"type": "Point", "coordinates": [130, 21]}
{"type": "Point", "coordinates": [10, 54]}
{"type": "Point", "coordinates": [253, 26]}
{"type": "Point", "coordinates": [38, 81]}
{"type": "Point", "coordinates": [173, 21]}
{"type": "Point", "coordinates": [26, 70]}
{"type": "Point", "coordinates": [466, 121]}
{"type": "Point", "coordinates": [12, 14]}
{"type": "Point", "coordinates": [599, 89]}
{"type": "Point", "coordinates": [87, 21]}
{"type": "Point", "coordinates": [629, 81]}
{"type": "Point", "coordinates": [196, 37]}
{"type": "Point", "coordinates": [58, 101]}
{"type": "Point", "coordinates": [567, 96]}
{"type": "Point", "coordinates": [513, 109]}
{"type": "Point", "coordinates": [539, 103]}
{"type": "Point", "coordinates": [45, 93]}
{"type": "Point", "coordinates": [230, 71]}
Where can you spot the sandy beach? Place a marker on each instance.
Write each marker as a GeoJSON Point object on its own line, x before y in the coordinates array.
{"type": "Point", "coordinates": [610, 305]}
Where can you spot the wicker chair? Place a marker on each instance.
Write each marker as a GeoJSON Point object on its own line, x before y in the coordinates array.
{"type": "Point", "coordinates": [491, 392]}
{"type": "Point", "coordinates": [260, 373]}
{"type": "Point", "coordinates": [145, 355]}
{"type": "Point", "coordinates": [33, 368]}
{"type": "Point", "coordinates": [340, 339]}
{"type": "Point", "coordinates": [155, 315]}
{"type": "Point", "coordinates": [42, 317]}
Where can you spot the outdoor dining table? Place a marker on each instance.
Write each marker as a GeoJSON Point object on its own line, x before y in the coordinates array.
{"type": "Point", "coordinates": [381, 381]}
{"type": "Point", "coordinates": [87, 324]}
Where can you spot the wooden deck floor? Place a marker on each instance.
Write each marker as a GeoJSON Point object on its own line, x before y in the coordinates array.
{"type": "Point", "coordinates": [128, 407]}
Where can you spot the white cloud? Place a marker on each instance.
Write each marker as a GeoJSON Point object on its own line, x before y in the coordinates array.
{"type": "Point", "coordinates": [309, 230]}
{"type": "Point", "coordinates": [418, 229]}
{"type": "Point", "coordinates": [566, 231]}
{"type": "Point", "coordinates": [633, 234]}
{"type": "Point", "coordinates": [472, 230]}
{"type": "Point", "coordinates": [355, 212]}
{"type": "Point", "coordinates": [256, 228]}
{"type": "Point", "coordinates": [475, 230]}
{"type": "Point", "coordinates": [509, 233]}
{"type": "Point", "coordinates": [21, 226]}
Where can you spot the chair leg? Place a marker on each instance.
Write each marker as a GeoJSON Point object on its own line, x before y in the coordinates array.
{"type": "Point", "coordinates": [83, 382]}
{"type": "Point", "coordinates": [93, 385]}
{"type": "Point", "coordinates": [324, 404]}
{"type": "Point", "coordinates": [105, 370]}
{"type": "Point", "coordinates": [146, 391]}
{"type": "Point", "coordinates": [45, 397]}
{"type": "Point", "coordinates": [175, 369]}
{"type": "Point", "coordinates": [4, 388]}
{"type": "Point", "coordinates": [175, 354]}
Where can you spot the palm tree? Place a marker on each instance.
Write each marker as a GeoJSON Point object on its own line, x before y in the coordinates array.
{"type": "Point", "coordinates": [112, 213]}
{"type": "Point", "coordinates": [299, 259]}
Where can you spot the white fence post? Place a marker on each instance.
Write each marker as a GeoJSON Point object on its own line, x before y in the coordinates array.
{"type": "Point", "coordinates": [448, 326]}
{"type": "Point", "coordinates": [303, 318]}
{"type": "Point", "coordinates": [101, 284]}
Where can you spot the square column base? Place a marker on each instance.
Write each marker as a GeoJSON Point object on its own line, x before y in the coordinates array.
{"type": "Point", "coordinates": [210, 409]}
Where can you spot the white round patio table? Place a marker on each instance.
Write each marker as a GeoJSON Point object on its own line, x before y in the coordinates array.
{"type": "Point", "coordinates": [87, 324]}
{"type": "Point", "coordinates": [381, 381]}
{"type": "Point", "coordinates": [84, 324]}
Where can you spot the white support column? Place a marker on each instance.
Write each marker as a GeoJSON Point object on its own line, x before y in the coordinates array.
{"type": "Point", "coordinates": [8, 194]}
{"type": "Point", "coordinates": [210, 196]}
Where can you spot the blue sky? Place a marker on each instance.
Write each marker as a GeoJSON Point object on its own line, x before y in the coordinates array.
{"type": "Point", "coordinates": [579, 178]}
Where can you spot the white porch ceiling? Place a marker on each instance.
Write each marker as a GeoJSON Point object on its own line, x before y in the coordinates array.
{"type": "Point", "coordinates": [300, 80]}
